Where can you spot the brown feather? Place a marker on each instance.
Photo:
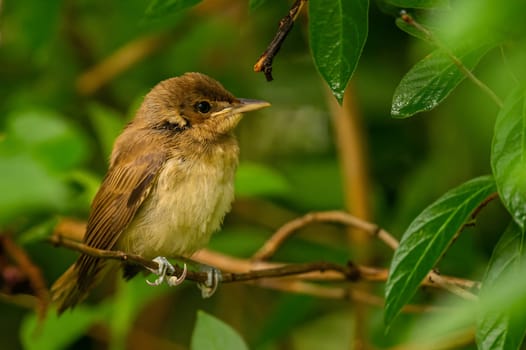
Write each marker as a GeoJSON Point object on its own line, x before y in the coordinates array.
{"type": "Point", "coordinates": [121, 194]}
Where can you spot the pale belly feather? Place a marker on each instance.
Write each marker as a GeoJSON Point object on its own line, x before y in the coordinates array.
{"type": "Point", "coordinates": [183, 210]}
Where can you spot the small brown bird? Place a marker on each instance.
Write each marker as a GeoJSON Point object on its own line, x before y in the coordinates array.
{"type": "Point", "coordinates": [169, 184]}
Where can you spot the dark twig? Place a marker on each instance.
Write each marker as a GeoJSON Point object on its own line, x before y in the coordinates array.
{"type": "Point", "coordinates": [262, 272]}
{"type": "Point", "coordinates": [349, 272]}
{"type": "Point", "coordinates": [264, 62]}
{"type": "Point", "coordinates": [483, 204]}
{"type": "Point", "coordinates": [471, 222]}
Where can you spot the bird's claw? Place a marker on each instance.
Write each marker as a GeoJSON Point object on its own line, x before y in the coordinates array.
{"type": "Point", "coordinates": [174, 280]}
{"type": "Point", "coordinates": [209, 287]}
{"type": "Point", "coordinates": [166, 268]}
{"type": "Point", "coordinates": [165, 271]}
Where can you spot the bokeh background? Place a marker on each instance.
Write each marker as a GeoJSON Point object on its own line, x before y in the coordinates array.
{"type": "Point", "coordinates": [72, 73]}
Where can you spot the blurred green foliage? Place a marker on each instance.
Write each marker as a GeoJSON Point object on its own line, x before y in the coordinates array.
{"type": "Point", "coordinates": [56, 136]}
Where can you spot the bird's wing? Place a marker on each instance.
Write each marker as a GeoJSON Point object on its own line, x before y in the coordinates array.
{"type": "Point", "coordinates": [124, 189]}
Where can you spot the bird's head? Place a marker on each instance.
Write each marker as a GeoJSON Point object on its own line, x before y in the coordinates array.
{"type": "Point", "coordinates": [196, 105]}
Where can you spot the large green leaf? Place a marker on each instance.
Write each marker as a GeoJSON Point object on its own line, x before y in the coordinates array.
{"type": "Point", "coordinates": [502, 329]}
{"type": "Point", "coordinates": [430, 81]}
{"type": "Point", "coordinates": [427, 238]}
{"type": "Point", "coordinates": [211, 333]}
{"type": "Point", "coordinates": [338, 31]}
{"type": "Point", "coordinates": [508, 155]}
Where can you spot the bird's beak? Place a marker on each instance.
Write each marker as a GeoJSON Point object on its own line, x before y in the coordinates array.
{"type": "Point", "coordinates": [242, 105]}
{"type": "Point", "coordinates": [247, 105]}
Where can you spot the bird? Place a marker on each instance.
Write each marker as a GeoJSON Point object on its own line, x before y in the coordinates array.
{"type": "Point", "coordinates": [169, 184]}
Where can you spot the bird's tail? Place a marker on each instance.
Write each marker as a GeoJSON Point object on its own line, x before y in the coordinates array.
{"type": "Point", "coordinates": [67, 291]}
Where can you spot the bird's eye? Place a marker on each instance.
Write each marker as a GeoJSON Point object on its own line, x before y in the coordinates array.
{"type": "Point", "coordinates": [203, 107]}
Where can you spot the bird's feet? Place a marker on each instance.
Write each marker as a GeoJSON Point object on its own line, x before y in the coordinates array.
{"type": "Point", "coordinates": [214, 277]}
{"type": "Point", "coordinates": [166, 268]}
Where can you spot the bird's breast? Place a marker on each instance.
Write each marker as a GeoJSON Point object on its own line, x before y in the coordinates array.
{"type": "Point", "coordinates": [187, 204]}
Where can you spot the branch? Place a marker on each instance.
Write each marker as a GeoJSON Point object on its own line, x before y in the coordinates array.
{"type": "Point", "coordinates": [453, 285]}
{"type": "Point", "coordinates": [349, 272]}
{"type": "Point", "coordinates": [251, 271]}
{"type": "Point", "coordinates": [264, 62]}
{"type": "Point", "coordinates": [276, 240]}
{"type": "Point", "coordinates": [268, 275]}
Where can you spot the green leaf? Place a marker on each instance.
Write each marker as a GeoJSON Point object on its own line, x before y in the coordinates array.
{"type": "Point", "coordinates": [508, 155]}
{"type": "Point", "coordinates": [211, 333]}
{"type": "Point", "coordinates": [502, 328]}
{"type": "Point", "coordinates": [338, 31]}
{"type": "Point", "coordinates": [57, 332]}
{"type": "Point", "coordinates": [430, 81]}
{"type": "Point", "coordinates": [258, 180]}
{"type": "Point", "coordinates": [427, 238]}
{"type": "Point", "coordinates": [161, 8]}
{"type": "Point", "coordinates": [419, 4]}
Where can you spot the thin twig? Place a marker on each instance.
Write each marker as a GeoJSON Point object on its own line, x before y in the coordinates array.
{"type": "Point", "coordinates": [287, 230]}
{"type": "Point", "coordinates": [364, 273]}
{"type": "Point", "coordinates": [284, 232]}
{"type": "Point", "coordinates": [469, 223]}
{"type": "Point", "coordinates": [453, 288]}
{"type": "Point", "coordinates": [264, 62]}
{"type": "Point", "coordinates": [407, 18]}
{"type": "Point", "coordinates": [482, 204]}
{"type": "Point", "coordinates": [264, 277]}
{"type": "Point", "coordinates": [349, 272]}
